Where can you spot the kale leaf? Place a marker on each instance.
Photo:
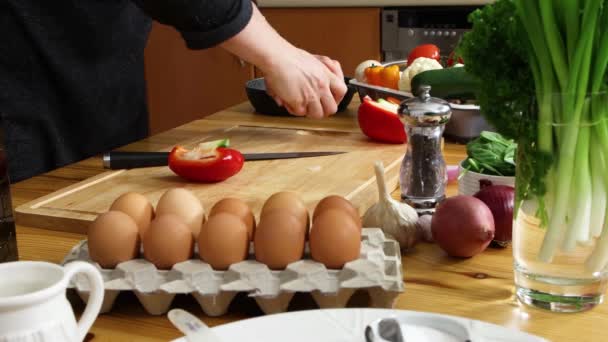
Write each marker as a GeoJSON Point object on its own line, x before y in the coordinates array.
{"type": "Point", "coordinates": [497, 52]}
{"type": "Point", "coordinates": [494, 51]}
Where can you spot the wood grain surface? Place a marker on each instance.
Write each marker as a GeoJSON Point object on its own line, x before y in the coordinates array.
{"type": "Point", "coordinates": [73, 208]}
{"type": "Point", "coordinates": [478, 288]}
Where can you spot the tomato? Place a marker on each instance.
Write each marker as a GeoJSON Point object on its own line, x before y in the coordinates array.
{"type": "Point", "coordinates": [205, 165]}
{"type": "Point", "coordinates": [426, 50]}
{"type": "Point", "coordinates": [389, 77]}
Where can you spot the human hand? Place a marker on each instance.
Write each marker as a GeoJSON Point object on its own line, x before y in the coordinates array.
{"type": "Point", "coordinates": [305, 84]}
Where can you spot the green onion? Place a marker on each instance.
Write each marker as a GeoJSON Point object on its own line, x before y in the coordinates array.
{"type": "Point", "coordinates": [552, 56]}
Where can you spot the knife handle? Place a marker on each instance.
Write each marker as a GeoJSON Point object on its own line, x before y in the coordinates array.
{"type": "Point", "coordinates": [130, 160]}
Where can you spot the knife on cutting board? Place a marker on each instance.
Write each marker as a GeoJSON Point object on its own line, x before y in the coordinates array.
{"type": "Point", "coordinates": [130, 160]}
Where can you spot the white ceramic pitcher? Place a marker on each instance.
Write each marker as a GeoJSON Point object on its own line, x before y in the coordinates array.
{"type": "Point", "coordinates": [33, 304]}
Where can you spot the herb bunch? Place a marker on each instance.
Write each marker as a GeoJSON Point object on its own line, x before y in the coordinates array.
{"type": "Point", "coordinates": [543, 66]}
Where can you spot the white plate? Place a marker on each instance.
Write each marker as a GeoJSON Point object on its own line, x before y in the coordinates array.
{"type": "Point", "coordinates": [348, 325]}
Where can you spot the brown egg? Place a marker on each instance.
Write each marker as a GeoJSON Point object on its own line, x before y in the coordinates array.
{"type": "Point", "coordinates": [335, 239]}
{"type": "Point", "coordinates": [337, 202]}
{"type": "Point", "coordinates": [223, 241]}
{"type": "Point", "coordinates": [168, 241]}
{"type": "Point", "coordinates": [138, 207]}
{"type": "Point", "coordinates": [113, 238]}
{"type": "Point", "coordinates": [183, 203]}
{"type": "Point", "coordinates": [288, 201]}
{"type": "Point", "coordinates": [279, 239]}
{"type": "Point", "coordinates": [239, 208]}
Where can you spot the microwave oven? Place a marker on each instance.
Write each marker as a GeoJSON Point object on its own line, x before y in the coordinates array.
{"type": "Point", "coordinates": [404, 28]}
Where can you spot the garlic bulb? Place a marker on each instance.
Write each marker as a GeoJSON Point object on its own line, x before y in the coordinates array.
{"type": "Point", "coordinates": [395, 218]}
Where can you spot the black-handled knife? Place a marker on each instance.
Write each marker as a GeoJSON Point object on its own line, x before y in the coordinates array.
{"type": "Point", "coordinates": [131, 160]}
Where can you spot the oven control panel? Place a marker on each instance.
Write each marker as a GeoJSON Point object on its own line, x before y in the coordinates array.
{"type": "Point", "coordinates": [404, 28]}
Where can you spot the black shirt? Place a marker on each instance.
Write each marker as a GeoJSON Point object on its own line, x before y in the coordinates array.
{"type": "Point", "coordinates": [72, 71]}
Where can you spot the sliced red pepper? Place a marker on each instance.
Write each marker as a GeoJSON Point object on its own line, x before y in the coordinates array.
{"type": "Point", "coordinates": [205, 165]}
{"type": "Point", "coordinates": [380, 123]}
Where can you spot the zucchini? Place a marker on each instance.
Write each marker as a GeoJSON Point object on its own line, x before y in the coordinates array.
{"type": "Point", "coordinates": [448, 83]}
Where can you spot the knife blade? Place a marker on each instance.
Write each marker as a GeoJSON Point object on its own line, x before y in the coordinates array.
{"type": "Point", "coordinates": [130, 160]}
{"type": "Point", "coordinates": [194, 329]}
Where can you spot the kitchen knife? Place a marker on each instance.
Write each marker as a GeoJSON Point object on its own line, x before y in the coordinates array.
{"type": "Point", "coordinates": [130, 160]}
{"type": "Point", "coordinates": [194, 329]}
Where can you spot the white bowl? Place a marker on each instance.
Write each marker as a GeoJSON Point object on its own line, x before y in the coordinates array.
{"type": "Point", "coordinates": [469, 183]}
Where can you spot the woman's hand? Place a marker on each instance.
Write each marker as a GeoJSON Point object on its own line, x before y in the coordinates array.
{"type": "Point", "coordinates": [306, 85]}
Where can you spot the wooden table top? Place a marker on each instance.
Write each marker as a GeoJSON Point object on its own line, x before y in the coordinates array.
{"type": "Point", "coordinates": [478, 288]}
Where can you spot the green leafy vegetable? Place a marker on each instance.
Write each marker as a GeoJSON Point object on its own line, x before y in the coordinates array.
{"type": "Point", "coordinates": [491, 154]}
{"type": "Point", "coordinates": [498, 57]}
{"type": "Point", "coordinates": [496, 54]}
{"type": "Point", "coordinates": [542, 66]}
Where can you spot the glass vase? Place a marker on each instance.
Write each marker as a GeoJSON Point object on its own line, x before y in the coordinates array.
{"type": "Point", "coordinates": [560, 234]}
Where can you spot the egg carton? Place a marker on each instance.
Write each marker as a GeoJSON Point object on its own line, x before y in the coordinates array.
{"type": "Point", "coordinates": [377, 270]}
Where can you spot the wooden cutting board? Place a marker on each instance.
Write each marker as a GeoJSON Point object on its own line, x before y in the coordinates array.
{"type": "Point", "coordinates": [350, 175]}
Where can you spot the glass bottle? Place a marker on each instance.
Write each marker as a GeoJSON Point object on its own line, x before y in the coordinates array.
{"type": "Point", "coordinates": [423, 175]}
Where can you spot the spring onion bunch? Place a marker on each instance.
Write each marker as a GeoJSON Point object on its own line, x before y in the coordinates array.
{"type": "Point", "coordinates": [543, 68]}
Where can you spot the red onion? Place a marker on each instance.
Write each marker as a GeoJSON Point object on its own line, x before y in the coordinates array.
{"type": "Point", "coordinates": [500, 198]}
{"type": "Point", "coordinates": [462, 226]}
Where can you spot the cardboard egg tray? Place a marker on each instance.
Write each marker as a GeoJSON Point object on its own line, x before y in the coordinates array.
{"type": "Point", "coordinates": [378, 271]}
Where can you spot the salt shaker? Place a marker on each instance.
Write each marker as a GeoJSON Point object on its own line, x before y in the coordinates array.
{"type": "Point", "coordinates": [423, 175]}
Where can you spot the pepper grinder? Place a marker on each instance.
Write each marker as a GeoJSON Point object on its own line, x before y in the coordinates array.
{"type": "Point", "coordinates": [423, 175]}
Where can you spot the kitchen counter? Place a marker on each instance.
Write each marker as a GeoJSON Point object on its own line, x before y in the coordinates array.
{"type": "Point", "coordinates": [368, 3]}
{"type": "Point", "coordinates": [478, 288]}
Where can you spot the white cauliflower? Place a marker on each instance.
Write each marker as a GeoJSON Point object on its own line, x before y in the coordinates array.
{"type": "Point", "coordinates": [420, 64]}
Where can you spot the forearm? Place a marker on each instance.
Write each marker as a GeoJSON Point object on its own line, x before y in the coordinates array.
{"type": "Point", "coordinates": [258, 43]}
{"type": "Point", "coordinates": [202, 23]}
{"type": "Point", "coordinates": [303, 83]}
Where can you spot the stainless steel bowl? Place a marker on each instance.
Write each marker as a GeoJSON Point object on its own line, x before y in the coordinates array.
{"type": "Point", "coordinates": [465, 124]}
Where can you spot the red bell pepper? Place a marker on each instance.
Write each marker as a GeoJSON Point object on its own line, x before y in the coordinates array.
{"type": "Point", "coordinates": [203, 164]}
{"type": "Point", "coordinates": [380, 121]}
